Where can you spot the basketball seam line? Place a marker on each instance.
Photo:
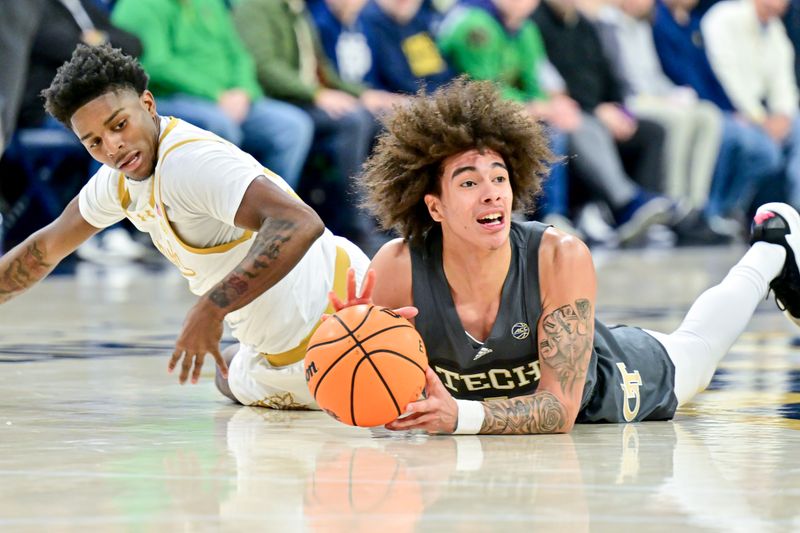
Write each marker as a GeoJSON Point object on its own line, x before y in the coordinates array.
{"type": "Point", "coordinates": [332, 365]}
{"type": "Point", "coordinates": [380, 376]}
{"type": "Point", "coordinates": [345, 336]}
{"type": "Point", "coordinates": [369, 311]}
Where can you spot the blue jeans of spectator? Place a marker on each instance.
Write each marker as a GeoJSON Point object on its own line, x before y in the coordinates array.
{"type": "Point", "coordinates": [276, 133]}
{"type": "Point", "coordinates": [350, 137]}
{"type": "Point", "coordinates": [555, 188]}
{"type": "Point", "coordinates": [747, 159]}
{"type": "Point", "coordinates": [347, 139]}
{"type": "Point", "coordinates": [791, 152]}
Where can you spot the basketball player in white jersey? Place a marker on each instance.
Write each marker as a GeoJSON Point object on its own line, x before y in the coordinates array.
{"type": "Point", "coordinates": [506, 308]}
{"type": "Point", "coordinates": [257, 256]}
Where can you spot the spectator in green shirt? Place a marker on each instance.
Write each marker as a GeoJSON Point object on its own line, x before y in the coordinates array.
{"type": "Point", "coordinates": [291, 65]}
{"type": "Point", "coordinates": [200, 71]}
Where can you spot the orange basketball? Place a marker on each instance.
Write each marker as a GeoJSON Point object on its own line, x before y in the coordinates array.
{"type": "Point", "coordinates": [365, 364]}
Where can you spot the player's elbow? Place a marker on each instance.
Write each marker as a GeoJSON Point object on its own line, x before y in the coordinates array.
{"type": "Point", "coordinates": [561, 414]}
{"type": "Point", "coordinates": [567, 428]}
{"type": "Point", "coordinates": [311, 223]}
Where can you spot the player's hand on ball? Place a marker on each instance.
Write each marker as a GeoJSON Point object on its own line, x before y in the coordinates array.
{"type": "Point", "coordinates": [200, 336]}
{"type": "Point", "coordinates": [437, 413]}
{"type": "Point", "coordinates": [365, 297]}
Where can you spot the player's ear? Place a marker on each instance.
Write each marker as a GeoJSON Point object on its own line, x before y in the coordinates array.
{"type": "Point", "coordinates": [434, 205]}
{"type": "Point", "coordinates": [148, 101]}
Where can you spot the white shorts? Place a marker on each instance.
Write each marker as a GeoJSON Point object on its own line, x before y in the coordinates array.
{"type": "Point", "coordinates": [254, 381]}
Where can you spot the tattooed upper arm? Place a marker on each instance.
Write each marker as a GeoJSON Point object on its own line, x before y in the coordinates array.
{"type": "Point", "coordinates": [567, 343]}
{"type": "Point", "coordinates": [286, 229]}
{"type": "Point", "coordinates": [565, 339]}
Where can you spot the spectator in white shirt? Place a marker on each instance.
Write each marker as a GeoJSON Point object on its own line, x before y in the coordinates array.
{"type": "Point", "coordinates": [753, 58]}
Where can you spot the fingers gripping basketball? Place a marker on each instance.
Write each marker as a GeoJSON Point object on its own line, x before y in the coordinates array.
{"type": "Point", "coordinates": [365, 364]}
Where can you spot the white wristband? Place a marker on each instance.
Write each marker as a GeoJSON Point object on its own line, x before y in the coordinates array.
{"type": "Point", "coordinates": [470, 417]}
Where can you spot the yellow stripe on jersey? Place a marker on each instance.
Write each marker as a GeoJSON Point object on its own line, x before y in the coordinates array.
{"type": "Point", "coordinates": [122, 192]}
{"type": "Point", "coordinates": [339, 288]}
{"type": "Point", "coordinates": [220, 248]}
{"type": "Point", "coordinates": [170, 126]}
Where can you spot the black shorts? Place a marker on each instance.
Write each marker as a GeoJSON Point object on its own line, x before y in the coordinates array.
{"type": "Point", "coordinates": [634, 378]}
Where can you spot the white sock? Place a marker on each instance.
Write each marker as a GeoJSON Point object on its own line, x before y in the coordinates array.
{"type": "Point", "coordinates": [718, 317]}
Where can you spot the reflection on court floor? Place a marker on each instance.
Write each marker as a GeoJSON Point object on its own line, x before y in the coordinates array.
{"type": "Point", "coordinates": [95, 435]}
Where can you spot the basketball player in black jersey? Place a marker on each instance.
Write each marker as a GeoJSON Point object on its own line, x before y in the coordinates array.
{"type": "Point", "coordinates": [506, 309]}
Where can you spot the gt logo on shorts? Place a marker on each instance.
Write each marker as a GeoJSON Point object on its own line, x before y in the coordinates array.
{"type": "Point", "coordinates": [631, 381]}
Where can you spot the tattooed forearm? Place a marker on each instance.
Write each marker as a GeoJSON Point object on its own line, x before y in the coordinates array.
{"type": "Point", "coordinates": [265, 251]}
{"type": "Point", "coordinates": [567, 343]}
{"type": "Point", "coordinates": [541, 412]}
{"type": "Point", "coordinates": [26, 267]}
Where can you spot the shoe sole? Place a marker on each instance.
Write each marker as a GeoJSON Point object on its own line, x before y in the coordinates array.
{"type": "Point", "coordinates": [655, 211]}
{"type": "Point", "coordinates": [792, 218]}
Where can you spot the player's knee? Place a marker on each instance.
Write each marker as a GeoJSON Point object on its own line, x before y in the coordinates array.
{"type": "Point", "coordinates": [222, 382]}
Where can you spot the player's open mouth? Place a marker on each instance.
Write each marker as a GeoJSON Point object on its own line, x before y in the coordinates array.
{"type": "Point", "coordinates": [492, 220]}
{"type": "Point", "coordinates": [131, 162]}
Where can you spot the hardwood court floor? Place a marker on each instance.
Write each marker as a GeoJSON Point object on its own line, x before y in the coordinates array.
{"type": "Point", "coordinates": [95, 436]}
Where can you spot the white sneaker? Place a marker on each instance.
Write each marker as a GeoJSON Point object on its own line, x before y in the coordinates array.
{"type": "Point", "coordinates": [119, 242]}
{"type": "Point", "coordinates": [113, 247]}
{"type": "Point", "coordinates": [593, 224]}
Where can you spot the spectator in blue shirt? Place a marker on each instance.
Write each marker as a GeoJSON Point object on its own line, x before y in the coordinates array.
{"type": "Point", "coordinates": [401, 36]}
{"type": "Point", "coordinates": [676, 31]}
{"type": "Point", "coordinates": [745, 161]}
{"type": "Point", "coordinates": [342, 39]}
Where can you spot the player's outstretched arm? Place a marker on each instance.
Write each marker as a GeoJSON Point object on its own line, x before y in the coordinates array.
{"type": "Point", "coordinates": [27, 263]}
{"type": "Point", "coordinates": [286, 229]}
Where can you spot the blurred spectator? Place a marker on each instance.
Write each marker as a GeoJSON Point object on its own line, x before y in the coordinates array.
{"type": "Point", "coordinates": [292, 66]}
{"type": "Point", "coordinates": [65, 24]}
{"type": "Point", "coordinates": [754, 61]}
{"type": "Point", "coordinates": [498, 41]}
{"type": "Point", "coordinates": [68, 23]}
{"type": "Point", "coordinates": [746, 159]}
{"type": "Point", "coordinates": [681, 50]}
{"type": "Point", "coordinates": [18, 25]}
{"type": "Point", "coordinates": [200, 71]}
{"type": "Point", "coordinates": [400, 35]}
{"type": "Point", "coordinates": [791, 21]}
{"type": "Point", "coordinates": [574, 47]}
{"type": "Point", "coordinates": [693, 126]}
{"type": "Point", "coordinates": [343, 41]}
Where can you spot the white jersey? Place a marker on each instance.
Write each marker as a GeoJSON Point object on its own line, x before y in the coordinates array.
{"type": "Point", "coordinates": [188, 208]}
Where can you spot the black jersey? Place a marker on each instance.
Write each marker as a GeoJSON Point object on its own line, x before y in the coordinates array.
{"type": "Point", "coordinates": [630, 377]}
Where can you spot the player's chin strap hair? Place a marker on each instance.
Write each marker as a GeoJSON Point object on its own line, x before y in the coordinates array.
{"type": "Point", "coordinates": [470, 417]}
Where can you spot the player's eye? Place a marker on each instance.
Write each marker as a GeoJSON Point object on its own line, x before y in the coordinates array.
{"type": "Point", "coordinates": [121, 124]}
